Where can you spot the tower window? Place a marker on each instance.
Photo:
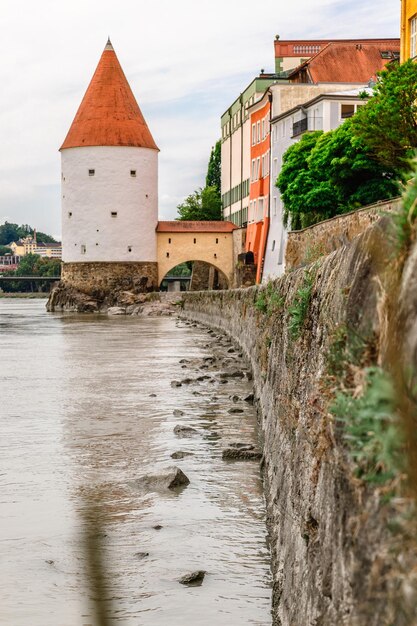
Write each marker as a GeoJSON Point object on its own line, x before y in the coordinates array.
{"type": "Point", "coordinates": [69, 213]}
{"type": "Point", "coordinates": [133, 173]}
{"type": "Point", "coordinates": [83, 248]}
{"type": "Point", "coordinates": [195, 240]}
{"type": "Point", "coordinates": [91, 172]}
{"type": "Point", "coordinates": [169, 240]}
{"type": "Point", "coordinates": [129, 248]}
{"type": "Point", "coordinates": [217, 241]}
{"type": "Point", "coordinates": [113, 213]}
{"type": "Point", "coordinates": [167, 255]}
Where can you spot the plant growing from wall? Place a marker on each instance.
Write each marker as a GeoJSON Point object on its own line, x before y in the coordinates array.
{"type": "Point", "coordinates": [299, 308]}
{"type": "Point", "coordinates": [370, 427]}
{"type": "Point", "coordinates": [268, 300]}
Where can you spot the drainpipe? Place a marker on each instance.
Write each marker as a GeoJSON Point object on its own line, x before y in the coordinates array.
{"type": "Point", "coordinates": [241, 156]}
{"type": "Point", "coordinates": [230, 173]}
{"type": "Point", "coordinates": [403, 32]}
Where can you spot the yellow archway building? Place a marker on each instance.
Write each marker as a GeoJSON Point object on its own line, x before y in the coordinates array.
{"type": "Point", "coordinates": [210, 242]}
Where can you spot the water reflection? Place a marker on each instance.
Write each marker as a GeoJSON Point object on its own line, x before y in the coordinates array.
{"type": "Point", "coordinates": [79, 424]}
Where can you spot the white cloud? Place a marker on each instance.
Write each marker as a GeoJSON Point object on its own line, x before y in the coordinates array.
{"type": "Point", "coordinates": [186, 62]}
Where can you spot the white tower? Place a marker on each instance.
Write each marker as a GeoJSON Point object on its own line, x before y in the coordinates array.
{"type": "Point", "coordinates": [109, 183]}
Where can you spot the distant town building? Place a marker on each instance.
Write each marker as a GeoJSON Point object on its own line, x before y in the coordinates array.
{"type": "Point", "coordinates": [24, 246]}
{"type": "Point", "coordinates": [249, 166]}
{"type": "Point", "coordinates": [347, 62]}
{"type": "Point", "coordinates": [289, 55]}
{"type": "Point", "coordinates": [30, 245]}
{"type": "Point", "coordinates": [324, 112]}
{"type": "Point", "coordinates": [408, 30]}
{"type": "Point", "coordinates": [9, 262]}
{"type": "Point", "coordinates": [49, 250]}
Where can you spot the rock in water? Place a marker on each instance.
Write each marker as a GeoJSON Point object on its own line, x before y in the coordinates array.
{"type": "Point", "coordinates": [250, 398]}
{"type": "Point", "coordinates": [193, 579]}
{"type": "Point", "coordinates": [184, 431]}
{"type": "Point", "coordinates": [178, 413]}
{"type": "Point", "coordinates": [142, 555]}
{"type": "Point", "coordinates": [241, 454]}
{"type": "Point", "coordinates": [168, 478]}
{"type": "Point", "coordinates": [116, 310]}
{"type": "Point", "coordinates": [175, 383]}
{"type": "Point", "coordinates": [180, 454]}
{"type": "Point", "coordinates": [235, 410]}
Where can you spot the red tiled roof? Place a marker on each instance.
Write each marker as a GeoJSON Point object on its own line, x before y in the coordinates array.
{"type": "Point", "coordinates": [179, 226]}
{"type": "Point", "coordinates": [109, 114]}
{"type": "Point", "coordinates": [347, 62]}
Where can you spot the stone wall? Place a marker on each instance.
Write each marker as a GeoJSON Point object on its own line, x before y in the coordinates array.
{"type": "Point", "coordinates": [96, 286]}
{"type": "Point", "coordinates": [335, 560]}
{"type": "Point", "coordinates": [307, 245]}
{"type": "Point", "coordinates": [92, 277]}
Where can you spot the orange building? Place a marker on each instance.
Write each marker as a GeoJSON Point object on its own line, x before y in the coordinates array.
{"type": "Point", "coordinates": [258, 214]}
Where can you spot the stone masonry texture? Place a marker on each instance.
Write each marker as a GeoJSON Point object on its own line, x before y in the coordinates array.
{"type": "Point", "coordinates": [333, 560]}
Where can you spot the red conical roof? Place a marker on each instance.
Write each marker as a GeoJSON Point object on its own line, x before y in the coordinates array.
{"type": "Point", "coordinates": [109, 114]}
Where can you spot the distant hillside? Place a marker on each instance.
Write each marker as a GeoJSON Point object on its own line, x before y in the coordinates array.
{"type": "Point", "coordinates": [12, 232]}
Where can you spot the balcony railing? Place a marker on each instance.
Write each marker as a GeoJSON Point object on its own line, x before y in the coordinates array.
{"type": "Point", "coordinates": [299, 127]}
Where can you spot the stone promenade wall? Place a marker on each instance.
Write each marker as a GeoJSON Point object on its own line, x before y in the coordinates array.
{"type": "Point", "coordinates": [307, 245]}
{"type": "Point", "coordinates": [335, 559]}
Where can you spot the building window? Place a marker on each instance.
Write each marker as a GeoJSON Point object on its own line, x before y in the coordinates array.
{"type": "Point", "coordinates": [195, 240]}
{"type": "Point", "coordinates": [69, 213]}
{"type": "Point", "coordinates": [347, 110]}
{"type": "Point", "coordinates": [169, 240]}
{"type": "Point", "coordinates": [217, 241]}
{"type": "Point", "coordinates": [275, 205]}
{"type": "Point", "coordinates": [83, 248]}
{"type": "Point", "coordinates": [253, 134]}
{"type": "Point", "coordinates": [413, 37]}
{"type": "Point", "coordinates": [91, 172]}
{"type": "Point", "coordinates": [113, 213]}
{"type": "Point", "coordinates": [129, 248]}
{"type": "Point", "coordinates": [167, 255]}
{"type": "Point", "coordinates": [258, 131]}
{"type": "Point", "coordinates": [133, 173]}
{"type": "Point", "coordinates": [273, 245]}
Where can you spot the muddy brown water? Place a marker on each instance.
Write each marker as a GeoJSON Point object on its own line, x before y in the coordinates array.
{"type": "Point", "coordinates": [78, 426]}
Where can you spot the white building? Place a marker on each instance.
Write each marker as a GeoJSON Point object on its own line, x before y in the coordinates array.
{"type": "Point", "coordinates": [109, 175]}
{"type": "Point", "coordinates": [324, 112]}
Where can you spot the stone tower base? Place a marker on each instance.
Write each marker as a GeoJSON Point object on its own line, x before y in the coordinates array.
{"type": "Point", "coordinates": [96, 286]}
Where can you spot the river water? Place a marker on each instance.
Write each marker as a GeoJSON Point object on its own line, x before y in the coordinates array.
{"type": "Point", "coordinates": [78, 427]}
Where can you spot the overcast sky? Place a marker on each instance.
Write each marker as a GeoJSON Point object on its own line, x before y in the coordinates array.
{"type": "Point", "coordinates": [186, 61]}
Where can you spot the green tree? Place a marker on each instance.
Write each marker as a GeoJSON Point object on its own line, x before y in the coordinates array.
{"type": "Point", "coordinates": [326, 174]}
{"type": "Point", "coordinates": [387, 124]}
{"type": "Point", "coordinates": [203, 204]}
{"type": "Point", "coordinates": [353, 174]}
{"type": "Point", "coordinates": [213, 178]}
{"type": "Point", "coordinates": [5, 250]}
{"type": "Point", "coordinates": [306, 197]}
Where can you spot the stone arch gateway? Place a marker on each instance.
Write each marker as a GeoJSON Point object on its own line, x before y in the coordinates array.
{"type": "Point", "coordinates": [207, 242]}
